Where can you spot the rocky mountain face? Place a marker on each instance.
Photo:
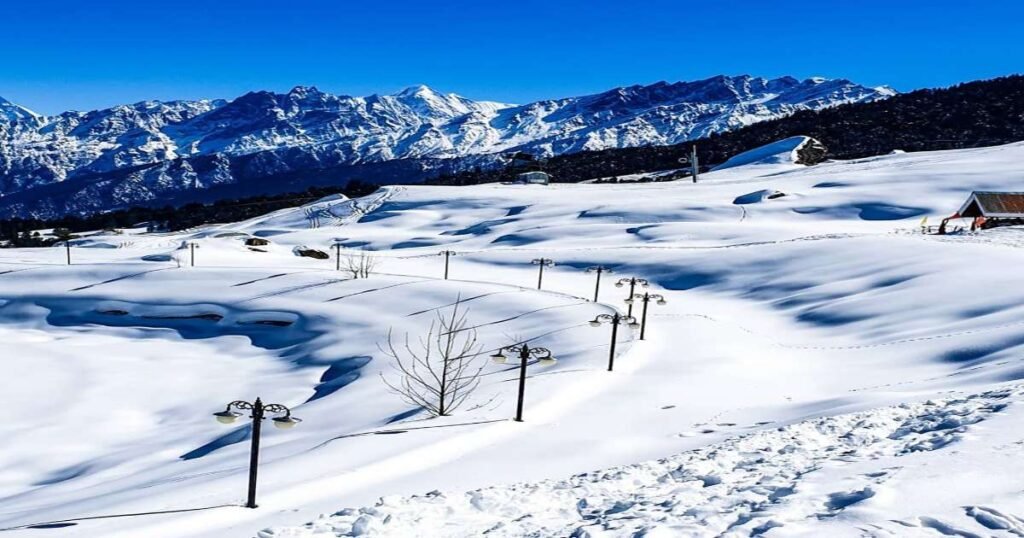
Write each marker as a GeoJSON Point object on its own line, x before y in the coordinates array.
{"type": "Point", "coordinates": [167, 152]}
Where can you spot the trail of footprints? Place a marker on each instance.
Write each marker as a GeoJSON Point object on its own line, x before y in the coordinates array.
{"type": "Point", "coordinates": [743, 486]}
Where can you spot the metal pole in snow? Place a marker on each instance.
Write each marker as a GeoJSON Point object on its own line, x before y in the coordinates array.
{"type": "Point", "coordinates": [643, 324]}
{"type": "Point", "coordinates": [693, 161]}
{"type": "Point", "coordinates": [524, 355]}
{"type": "Point", "coordinates": [615, 332]}
{"type": "Point", "coordinates": [254, 451]}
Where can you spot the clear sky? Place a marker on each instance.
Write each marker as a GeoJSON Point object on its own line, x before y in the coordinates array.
{"type": "Point", "coordinates": [85, 54]}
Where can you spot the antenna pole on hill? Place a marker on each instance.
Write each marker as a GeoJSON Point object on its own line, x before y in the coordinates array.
{"type": "Point", "coordinates": [695, 164]}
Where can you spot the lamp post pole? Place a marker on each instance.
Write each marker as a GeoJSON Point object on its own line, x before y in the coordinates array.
{"type": "Point", "coordinates": [598, 269]}
{"type": "Point", "coordinates": [67, 245]}
{"type": "Point", "coordinates": [632, 281]}
{"type": "Point", "coordinates": [645, 298]}
{"type": "Point", "coordinates": [254, 451]}
{"type": "Point", "coordinates": [192, 253]}
{"type": "Point", "coordinates": [337, 256]}
{"type": "Point", "coordinates": [542, 262]}
{"type": "Point", "coordinates": [543, 355]}
{"type": "Point", "coordinates": [447, 254]}
{"type": "Point", "coordinates": [615, 320]}
{"type": "Point", "coordinates": [259, 411]}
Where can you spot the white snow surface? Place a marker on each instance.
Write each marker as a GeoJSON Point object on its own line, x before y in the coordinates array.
{"type": "Point", "coordinates": [820, 368]}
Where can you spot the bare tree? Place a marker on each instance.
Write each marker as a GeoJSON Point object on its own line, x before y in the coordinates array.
{"type": "Point", "coordinates": [442, 369]}
{"type": "Point", "coordinates": [360, 265]}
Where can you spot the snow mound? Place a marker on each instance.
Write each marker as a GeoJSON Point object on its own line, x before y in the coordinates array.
{"type": "Point", "coordinates": [758, 196]}
{"type": "Point", "coordinates": [781, 152]}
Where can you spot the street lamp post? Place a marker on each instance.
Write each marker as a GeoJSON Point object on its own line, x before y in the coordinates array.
{"type": "Point", "coordinates": [192, 246]}
{"type": "Point", "coordinates": [447, 254]}
{"type": "Point", "coordinates": [598, 269]}
{"type": "Point", "coordinates": [337, 256]}
{"type": "Point", "coordinates": [259, 411]}
{"type": "Point", "coordinates": [632, 281]}
{"type": "Point", "coordinates": [67, 245]}
{"type": "Point", "coordinates": [543, 356]}
{"type": "Point", "coordinates": [645, 297]}
{"type": "Point", "coordinates": [542, 262]}
{"type": "Point", "coordinates": [615, 319]}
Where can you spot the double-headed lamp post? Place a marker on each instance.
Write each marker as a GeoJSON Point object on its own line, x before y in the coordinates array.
{"type": "Point", "coordinates": [632, 281]}
{"type": "Point", "coordinates": [542, 262]}
{"type": "Point", "coordinates": [192, 246]}
{"type": "Point", "coordinates": [447, 254]}
{"type": "Point", "coordinates": [543, 356]}
{"type": "Point", "coordinates": [259, 411]}
{"type": "Point", "coordinates": [598, 269]}
{"type": "Point", "coordinates": [645, 298]}
{"type": "Point", "coordinates": [615, 319]}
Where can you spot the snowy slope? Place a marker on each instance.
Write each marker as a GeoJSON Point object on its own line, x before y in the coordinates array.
{"type": "Point", "coordinates": [819, 368]}
{"type": "Point", "coordinates": [149, 150]}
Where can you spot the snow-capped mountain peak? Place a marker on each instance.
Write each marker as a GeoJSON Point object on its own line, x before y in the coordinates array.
{"type": "Point", "coordinates": [285, 132]}
{"type": "Point", "coordinates": [10, 113]}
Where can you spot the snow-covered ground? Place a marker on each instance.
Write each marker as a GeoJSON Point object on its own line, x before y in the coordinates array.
{"type": "Point", "coordinates": [819, 369]}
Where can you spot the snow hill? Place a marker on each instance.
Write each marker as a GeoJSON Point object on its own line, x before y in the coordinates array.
{"type": "Point", "coordinates": [820, 368]}
{"type": "Point", "coordinates": [134, 154]}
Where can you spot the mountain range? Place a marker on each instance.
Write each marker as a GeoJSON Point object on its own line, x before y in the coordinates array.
{"type": "Point", "coordinates": [175, 151]}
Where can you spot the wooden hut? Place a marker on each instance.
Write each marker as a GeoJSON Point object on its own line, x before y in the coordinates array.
{"type": "Point", "coordinates": [990, 209]}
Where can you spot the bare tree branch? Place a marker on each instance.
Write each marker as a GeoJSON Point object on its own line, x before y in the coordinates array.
{"type": "Point", "coordinates": [444, 370]}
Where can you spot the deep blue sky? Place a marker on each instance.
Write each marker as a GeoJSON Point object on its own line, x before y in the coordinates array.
{"type": "Point", "coordinates": [59, 55]}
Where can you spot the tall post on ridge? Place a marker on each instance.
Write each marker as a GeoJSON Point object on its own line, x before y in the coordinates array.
{"type": "Point", "coordinates": [67, 245]}
{"type": "Point", "coordinates": [337, 256]}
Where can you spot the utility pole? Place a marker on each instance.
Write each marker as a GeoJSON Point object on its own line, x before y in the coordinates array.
{"type": "Point", "coordinates": [447, 254]}
{"type": "Point", "coordinates": [695, 163]}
